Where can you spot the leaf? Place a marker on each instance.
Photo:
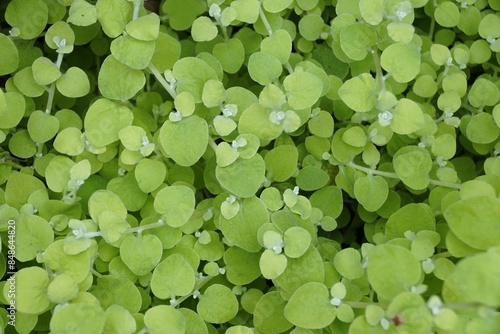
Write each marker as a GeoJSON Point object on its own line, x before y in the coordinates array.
{"type": "Point", "coordinates": [45, 71]}
{"type": "Point", "coordinates": [9, 55]}
{"type": "Point", "coordinates": [297, 240]}
{"type": "Point", "coordinates": [242, 229]}
{"type": "Point", "coordinates": [371, 191]}
{"type": "Point", "coordinates": [129, 83]}
{"type": "Point", "coordinates": [141, 254]}
{"type": "Point", "coordinates": [185, 141]}
{"type": "Point", "coordinates": [12, 111]}
{"type": "Point", "coordinates": [104, 120]}
{"type": "Point", "coordinates": [165, 319]}
{"type": "Point", "coordinates": [309, 307]}
{"type": "Point", "coordinates": [150, 174]}
{"type": "Point", "coordinates": [279, 44]}
{"type": "Point", "coordinates": [264, 68]}
{"type": "Point", "coordinates": [230, 54]}
{"type": "Point", "coordinates": [247, 10]}
{"type": "Point", "coordinates": [191, 74]}
{"type": "Point", "coordinates": [413, 165]}
{"type": "Point", "coordinates": [42, 127]}
{"type": "Point", "coordinates": [86, 318]}
{"type": "Point", "coordinates": [414, 217]}
{"type": "Point", "coordinates": [218, 304]}
{"type": "Point", "coordinates": [254, 171]}
{"type": "Point", "coordinates": [29, 27]}
{"type": "Point", "coordinates": [144, 28]}
{"type": "Point", "coordinates": [402, 61]}
{"type": "Point", "coordinates": [358, 93]}
{"type": "Point", "coordinates": [474, 280]}
{"type": "Point", "coordinates": [281, 162]}
{"type": "Point", "coordinates": [176, 204]}
{"type": "Point", "coordinates": [392, 269]}
{"type": "Point", "coordinates": [31, 296]}
{"type": "Point", "coordinates": [271, 264]}
{"type": "Point", "coordinates": [132, 52]}
{"type": "Point", "coordinates": [311, 26]}
{"type": "Point", "coordinates": [372, 11]}
{"type": "Point", "coordinates": [474, 220]}
{"type": "Point", "coordinates": [113, 15]}
{"type": "Point", "coordinates": [172, 277]}
{"type": "Point", "coordinates": [242, 267]}
{"type": "Point", "coordinates": [269, 314]}
{"type": "Point", "coordinates": [357, 39]}
{"type": "Point", "coordinates": [167, 52]}
{"type": "Point", "coordinates": [407, 117]}
{"type": "Point", "coordinates": [73, 83]}
{"type": "Point", "coordinates": [82, 13]}
{"type": "Point", "coordinates": [203, 29]}
{"type": "Point", "coordinates": [303, 89]}
{"type": "Point", "coordinates": [312, 178]}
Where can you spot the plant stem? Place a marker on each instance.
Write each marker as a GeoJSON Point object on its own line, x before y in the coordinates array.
{"type": "Point", "coordinates": [52, 89]}
{"type": "Point", "coordinates": [265, 21]}
{"type": "Point", "coordinates": [140, 229]}
{"type": "Point", "coordinates": [162, 80]}
{"type": "Point", "coordinates": [212, 143]}
{"type": "Point", "coordinates": [379, 74]}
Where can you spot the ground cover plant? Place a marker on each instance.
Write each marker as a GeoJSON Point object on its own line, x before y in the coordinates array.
{"type": "Point", "coordinates": [250, 166]}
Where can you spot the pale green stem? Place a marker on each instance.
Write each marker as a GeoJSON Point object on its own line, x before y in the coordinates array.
{"type": "Point", "coordinates": [198, 286]}
{"type": "Point", "coordinates": [140, 229]}
{"type": "Point", "coordinates": [137, 7]}
{"type": "Point", "coordinates": [288, 67]}
{"type": "Point", "coordinates": [265, 21]}
{"type": "Point", "coordinates": [378, 69]}
{"type": "Point", "coordinates": [212, 143]}
{"type": "Point", "coordinates": [162, 80]}
{"type": "Point", "coordinates": [52, 89]}
{"type": "Point", "coordinates": [395, 176]}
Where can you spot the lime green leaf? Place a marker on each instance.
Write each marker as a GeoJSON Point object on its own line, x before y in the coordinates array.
{"type": "Point", "coordinates": [281, 162]}
{"type": "Point", "coordinates": [242, 267]}
{"type": "Point", "coordinates": [279, 44]}
{"type": "Point", "coordinates": [182, 13]}
{"type": "Point", "coordinates": [413, 166]}
{"type": "Point", "coordinates": [392, 269]}
{"type": "Point", "coordinates": [358, 93]}
{"type": "Point", "coordinates": [150, 174]}
{"type": "Point", "coordinates": [31, 290]}
{"type": "Point", "coordinates": [447, 14]}
{"type": "Point", "coordinates": [269, 314]}
{"type": "Point", "coordinates": [203, 29]}
{"type": "Point", "coordinates": [45, 71]}
{"type": "Point", "coordinates": [372, 11]}
{"type": "Point", "coordinates": [474, 221]}
{"type": "Point", "coordinates": [321, 124]}
{"type": "Point", "coordinates": [82, 13]}
{"type": "Point", "coordinates": [348, 263]}
{"type": "Point", "coordinates": [213, 94]}
{"type": "Point", "coordinates": [29, 17]}
{"type": "Point", "coordinates": [357, 39]}
{"type": "Point", "coordinates": [134, 53]}
{"type": "Point", "coordinates": [309, 307]}
{"type": "Point", "coordinates": [69, 142]}
{"type": "Point", "coordinates": [185, 141]}
{"type": "Point", "coordinates": [119, 320]}
{"type": "Point", "coordinates": [264, 68]}
{"type": "Point", "coordinates": [355, 136]}
{"type": "Point", "coordinates": [311, 26]}
{"type": "Point", "coordinates": [241, 230]}
{"type": "Point", "coordinates": [312, 178]}
{"type": "Point", "coordinates": [167, 52]}
{"type": "Point", "coordinates": [131, 80]}
{"type": "Point", "coordinates": [12, 110]}
{"type": "Point", "coordinates": [218, 304]}
{"type": "Point", "coordinates": [176, 204]}
{"type": "Point", "coordinates": [172, 277]}
{"type": "Point", "coordinates": [42, 127]}
{"type": "Point", "coordinates": [482, 129]}
{"type": "Point", "coordinates": [104, 120]}
{"type": "Point", "coordinates": [86, 318]}
{"type": "Point", "coordinates": [9, 54]}
{"type": "Point", "coordinates": [276, 6]}
{"type": "Point", "coordinates": [402, 61]}
{"type": "Point", "coordinates": [34, 235]}
{"type": "Point", "coordinates": [401, 31]}
{"type": "Point", "coordinates": [474, 280]}
{"type": "Point", "coordinates": [113, 16]}
{"type": "Point", "coordinates": [145, 28]}
{"type": "Point", "coordinates": [254, 171]}
{"type": "Point", "coordinates": [303, 89]}
{"type": "Point", "coordinates": [73, 83]}
{"type": "Point", "coordinates": [230, 55]}
{"type": "Point", "coordinates": [247, 10]}
{"type": "Point", "coordinates": [483, 93]}
{"type": "Point", "coordinates": [191, 74]}
{"type": "Point", "coordinates": [165, 319]}
{"type": "Point", "coordinates": [141, 254]}
{"type": "Point", "coordinates": [62, 289]}
{"type": "Point", "coordinates": [25, 82]}
{"type": "Point", "coordinates": [297, 240]}
{"type": "Point", "coordinates": [111, 290]}
{"type": "Point", "coordinates": [414, 217]}
{"type": "Point", "coordinates": [407, 117]}
{"type": "Point", "coordinates": [371, 192]}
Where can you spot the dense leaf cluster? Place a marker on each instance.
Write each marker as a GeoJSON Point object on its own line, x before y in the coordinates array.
{"type": "Point", "coordinates": [250, 166]}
